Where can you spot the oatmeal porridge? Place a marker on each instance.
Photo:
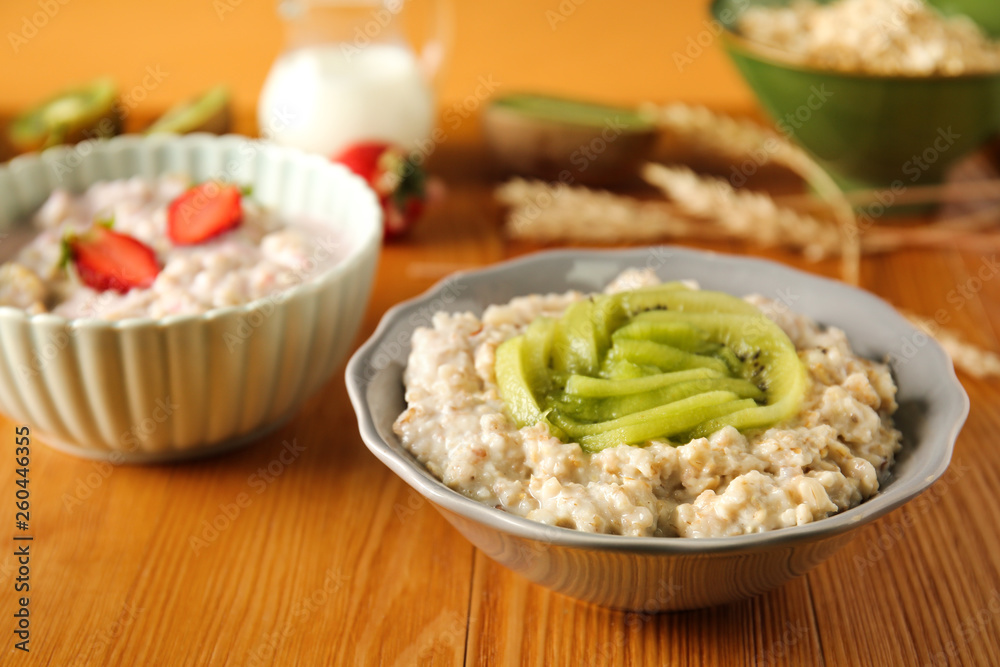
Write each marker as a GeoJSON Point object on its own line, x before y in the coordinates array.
{"type": "Point", "coordinates": [729, 475]}
{"type": "Point", "coordinates": [884, 37]}
{"type": "Point", "coordinates": [254, 254]}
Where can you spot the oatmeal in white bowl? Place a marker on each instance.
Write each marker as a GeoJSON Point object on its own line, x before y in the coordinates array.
{"type": "Point", "coordinates": [259, 257]}
{"type": "Point", "coordinates": [141, 291]}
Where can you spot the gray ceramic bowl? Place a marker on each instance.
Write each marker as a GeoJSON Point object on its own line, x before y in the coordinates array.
{"type": "Point", "coordinates": [655, 574]}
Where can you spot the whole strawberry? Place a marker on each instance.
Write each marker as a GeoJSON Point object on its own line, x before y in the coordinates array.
{"type": "Point", "coordinates": [108, 260]}
{"type": "Point", "coordinates": [396, 179]}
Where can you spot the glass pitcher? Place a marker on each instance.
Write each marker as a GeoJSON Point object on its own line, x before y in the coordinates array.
{"type": "Point", "coordinates": [348, 74]}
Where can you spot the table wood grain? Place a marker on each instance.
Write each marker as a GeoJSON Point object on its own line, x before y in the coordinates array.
{"type": "Point", "coordinates": [303, 549]}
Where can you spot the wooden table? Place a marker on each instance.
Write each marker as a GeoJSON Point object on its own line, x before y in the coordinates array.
{"type": "Point", "coordinates": [333, 560]}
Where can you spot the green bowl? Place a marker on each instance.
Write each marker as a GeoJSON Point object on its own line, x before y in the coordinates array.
{"type": "Point", "coordinates": [867, 131]}
{"type": "Point", "coordinates": [984, 12]}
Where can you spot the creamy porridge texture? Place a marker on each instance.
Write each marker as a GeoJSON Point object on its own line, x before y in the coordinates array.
{"type": "Point", "coordinates": [831, 456]}
{"type": "Point", "coordinates": [260, 257]}
{"type": "Point", "coordinates": [884, 37]}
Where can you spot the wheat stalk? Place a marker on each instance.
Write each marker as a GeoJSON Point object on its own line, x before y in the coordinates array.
{"type": "Point", "coordinates": [740, 139]}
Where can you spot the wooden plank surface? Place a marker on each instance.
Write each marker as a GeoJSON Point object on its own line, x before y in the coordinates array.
{"type": "Point", "coordinates": [321, 556]}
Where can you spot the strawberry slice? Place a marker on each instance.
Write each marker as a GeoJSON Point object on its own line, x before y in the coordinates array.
{"type": "Point", "coordinates": [107, 260]}
{"type": "Point", "coordinates": [398, 181]}
{"type": "Point", "coordinates": [204, 212]}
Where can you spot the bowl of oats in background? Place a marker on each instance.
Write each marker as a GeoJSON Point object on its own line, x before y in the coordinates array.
{"type": "Point", "coordinates": [884, 93]}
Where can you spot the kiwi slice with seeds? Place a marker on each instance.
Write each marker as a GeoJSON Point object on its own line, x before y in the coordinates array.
{"type": "Point", "coordinates": [652, 363]}
{"type": "Point", "coordinates": [84, 112]}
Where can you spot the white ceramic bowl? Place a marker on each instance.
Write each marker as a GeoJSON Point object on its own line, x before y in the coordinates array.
{"type": "Point", "coordinates": [144, 390]}
{"type": "Point", "coordinates": [653, 573]}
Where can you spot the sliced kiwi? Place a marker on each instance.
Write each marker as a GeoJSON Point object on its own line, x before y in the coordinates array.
{"type": "Point", "coordinates": [209, 112]}
{"type": "Point", "coordinates": [674, 333]}
{"type": "Point", "coordinates": [654, 419]}
{"type": "Point", "coordinates": [659, 422]}
{"type": "Point", "coordinates": [619, 369]}
{"type": "Point", "coordinates": [667, 420]}
{"type": "Point", "coordinates": [772, 363]}
{"type": "Point", "coordinates": [651, 363]}
{"type": "Point", "coordinates": [514, 383]}
{"type": "Point", "coordinates": [575, 344]}
{"type": "Point", "coordinates": [85, 112]}
{"type": "Point", "coordinates": [537, 355]}
{"type": "Point", "coordinates": [620, 406]}
{"type": "Point", "coordinates": [668, 304]}
{"type": "Point", "coordinates": [664, 357]}
{"type": "Point", "coordinates": [588, 387]}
